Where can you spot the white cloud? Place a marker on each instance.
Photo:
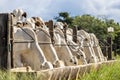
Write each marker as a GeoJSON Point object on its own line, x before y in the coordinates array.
{"type": "Point", "coordinates": [47, 9]}
{"type": "Point", "coordinates": [108, 8]}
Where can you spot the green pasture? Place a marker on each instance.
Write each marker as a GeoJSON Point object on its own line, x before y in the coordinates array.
{"type": "Point", "coordinates": [105, 72]}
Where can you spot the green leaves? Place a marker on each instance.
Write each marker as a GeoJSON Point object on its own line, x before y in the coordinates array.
{"type": "Point", "coordinates": [92, 24]}
{"type": "Point", "coordinates": [64, 17]}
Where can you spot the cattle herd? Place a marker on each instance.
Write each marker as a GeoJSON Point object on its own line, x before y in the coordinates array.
{"type": "Point", "coordinates": [34, 47]}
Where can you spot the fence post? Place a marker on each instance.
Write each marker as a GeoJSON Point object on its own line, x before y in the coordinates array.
{"type": "Point", "coordinates": [106, 50]}
{"type": "Point", "coordinates": [11, 41]}
{"type": "Point", "coordinates": [9, 26]}
{"type": "Point", "coordinates": [75, 34]}
{"type": "Point", "coordinates": [115, 47]}
{"type": "Point", "coordinates": [109, 41]}
{"type": "Point", "coordinates": [51, 27]}
{"type": "Point", "coordinates": [64, 30]}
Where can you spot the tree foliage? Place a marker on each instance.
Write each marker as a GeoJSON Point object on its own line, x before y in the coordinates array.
{"type": "Point", "coordinates": [64, 17]}
{"type": "Point", "coordinates": [94, 25]}
{"type": "Point", "coordinates": [91, 25]}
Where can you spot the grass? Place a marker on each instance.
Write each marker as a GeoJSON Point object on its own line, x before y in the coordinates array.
{"type": "Point", "coordinates": [111, 72]}
{"type": "Point", "coordinates": [105, 72]}
{"type": "Point", "coordinates": [6, 75]}
{"type": "Point", "coordinates": [117, 57]}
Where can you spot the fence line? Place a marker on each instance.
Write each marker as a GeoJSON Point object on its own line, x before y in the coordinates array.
{"type": "Point", "coordinates": [46, 43]}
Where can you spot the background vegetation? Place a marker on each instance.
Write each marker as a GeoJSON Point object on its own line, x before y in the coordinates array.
{"type": "Point", "coordinates": [95, 25]}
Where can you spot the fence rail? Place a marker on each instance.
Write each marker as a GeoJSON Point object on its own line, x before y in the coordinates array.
{"type": "Point", "coordinates": [55, 44]}
{"type": "Point", "coordinates": [63, 73]}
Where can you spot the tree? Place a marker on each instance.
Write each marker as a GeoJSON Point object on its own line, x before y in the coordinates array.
{"type": "Point", "coordinates": [64, 17]}
{"type": "Point", "coordinates": [99, 28]}
{"type": "Point", "coordinates": [94, 25]}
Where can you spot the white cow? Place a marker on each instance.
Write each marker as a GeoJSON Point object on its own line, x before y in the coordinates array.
{"type": "Point", "coordinates": [84, 40]}
{"type": "Point", "coordinates": [28, 53]}
{"type": "Point", "coordinates": [96, 47]}
{"type": "Point", "coordinates": [43, 37]}
{"type": "Point", "coordinates": [29, 22]}
{"type": "Point", "coordinates": [48, 49]}
{"type": "Point", "coordinates": [18, 15]}
{"type": "Point", "coordinates": [75, 48]}
{"type": "Point", "coordinates": [62, 48]}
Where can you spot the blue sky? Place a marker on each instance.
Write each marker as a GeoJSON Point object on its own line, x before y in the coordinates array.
{"type": "Point", "coordinates": [48, 9]}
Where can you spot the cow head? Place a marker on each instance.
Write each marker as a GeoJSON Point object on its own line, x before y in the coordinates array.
{"type": "Point", "coordinates": [46, 65]}
{"type": "Point", "coordinates": [58, 63]}
{"type": "Point", "coordinates": [74, 60]}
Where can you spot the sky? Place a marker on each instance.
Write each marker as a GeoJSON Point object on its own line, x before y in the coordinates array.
{"type": "Point", "coordinates": [48, 9]}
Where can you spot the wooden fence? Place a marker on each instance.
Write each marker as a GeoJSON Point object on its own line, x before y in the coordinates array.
{"type": "Point", "coordinates": [6, 39]}
{"type": "Point", "coordinates": [63, 73]}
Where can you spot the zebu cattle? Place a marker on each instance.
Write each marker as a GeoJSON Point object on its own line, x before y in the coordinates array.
{"type": "Point", "coordinates": [96, 47]}
{"type": "Point", "coordinates": [84, 39]}
{"type": "Point", "coordinates": [18, 15]}
{"type": "Point", "coordinates": [75, 48]}
{"type": "Point", "coordinates": [44, 41]}
{"type": "Point", "coordinates": [28, 53]}
{"type": "Point", "coordinates": [39, 22]}
{"type": "Point", "coordinates": [62, 48]}
{"type": "Point", "coordinates": [47, 47]}
{"type": "Point", "coordinates": [29, 22]}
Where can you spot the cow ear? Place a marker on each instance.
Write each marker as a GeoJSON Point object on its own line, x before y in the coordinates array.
{"type": "Point", "coordinates": [37, 23]}
{"type": "Point", "coordinates": [85, 39]}
{"type": "Point", "coordinates": [24, 14]}
{"type": "Point", "coordinates": [34, 18]}
{"type": "Point", "coordinates": [12, 14]}
{"type": "Point", "coordinates": [46, 23]}
{"type": "Point", "coordinates": [24, 23]}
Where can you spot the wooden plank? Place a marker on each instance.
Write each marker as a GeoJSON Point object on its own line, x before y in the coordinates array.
{"type": "Point", "coordinates": [109, 41]}
{"type": "Point", "coordinates": [75, 34]}
{"type": "Point", "coordinates": [11, 40]}
{"type": "Point", "coordinates": [51, 27]}
{"type": "Point", "coordinates": [64, 30]}
{"type": "Point", "coordinates": [8, 42]}
{"type": "Point", "coordinates": [4, 40]}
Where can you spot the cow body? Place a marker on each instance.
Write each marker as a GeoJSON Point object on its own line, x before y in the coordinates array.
{"type": "Point", "coordinates": [29, 53]}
